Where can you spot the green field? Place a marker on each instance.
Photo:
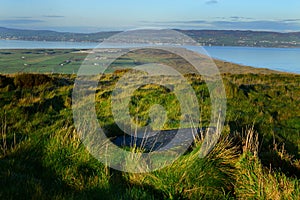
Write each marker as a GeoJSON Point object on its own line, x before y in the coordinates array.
{"type": "Point", "coordinates": [40, 61]}
{"type": "Point", "coordinates": [42, 156]}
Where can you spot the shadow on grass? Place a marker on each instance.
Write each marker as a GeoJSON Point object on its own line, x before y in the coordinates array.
{"type": "Point", "coordinates": [24, 175]}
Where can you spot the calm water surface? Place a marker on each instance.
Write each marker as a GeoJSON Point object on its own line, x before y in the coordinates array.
{"type": "Point", "coordinates": [281, 59]}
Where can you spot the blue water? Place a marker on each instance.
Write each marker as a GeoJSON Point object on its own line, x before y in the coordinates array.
{"type": "Point", "coordinates": [281, 59]}
{"type": "Point", "coordinates": [21, 44]}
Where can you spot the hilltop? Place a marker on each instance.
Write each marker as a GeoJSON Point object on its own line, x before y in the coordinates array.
{"type": "Point", "coordinates": [42, 155]}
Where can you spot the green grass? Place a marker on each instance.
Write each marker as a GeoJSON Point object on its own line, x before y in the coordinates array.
{"type": "Point", "coordinates": [191, 177]}
{"type": "Point", "coordinates": [42, 157]}
{"type": "Point", "coordinates": [40, 61]}
{"type": "Point", "coordinates": [55, 61]}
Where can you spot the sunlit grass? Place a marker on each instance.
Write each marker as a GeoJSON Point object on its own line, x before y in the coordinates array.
{"type": "Point", "coordinates": [42, 157]}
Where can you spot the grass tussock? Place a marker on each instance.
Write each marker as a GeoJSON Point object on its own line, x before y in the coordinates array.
{"type": "Point", "coordinates": [193, 177]}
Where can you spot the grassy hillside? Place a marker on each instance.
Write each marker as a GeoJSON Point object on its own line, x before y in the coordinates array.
{"type": "Point", "coordinates": [42, 156]}
{"type": "Point", "coordinates": [257, 157]}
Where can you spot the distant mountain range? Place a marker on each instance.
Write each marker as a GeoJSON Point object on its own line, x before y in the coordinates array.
{"type": "Point", "coordinates": [204, 37]}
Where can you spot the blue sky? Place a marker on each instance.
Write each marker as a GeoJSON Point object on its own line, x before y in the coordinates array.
{"type": "Point", "coordinates": [97, 15]}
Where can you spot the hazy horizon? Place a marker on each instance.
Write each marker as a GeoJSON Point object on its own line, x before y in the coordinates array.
{"type": "Point", "coordinates": [117, 15]}
{"type": "Point", "coordinates": [120, 30]}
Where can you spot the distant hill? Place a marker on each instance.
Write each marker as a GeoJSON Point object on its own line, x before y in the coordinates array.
{"type": "Point", "coordinates": [45, 35]}
{"type": "Point", "coordinates": [205, 37]}
{"type": "Point", "coordinates": [244, 38]}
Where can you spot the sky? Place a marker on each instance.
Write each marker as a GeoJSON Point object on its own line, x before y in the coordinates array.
{"type": "Point", "coordinates": [103, 15]}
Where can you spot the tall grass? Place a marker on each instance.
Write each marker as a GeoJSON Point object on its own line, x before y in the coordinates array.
{"type": "Point", "coordinates": [41, 156]}
{"type": "Point", "coordinates": [193, 177]}
{"type": "Point", "coordinates": [254, 181]}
